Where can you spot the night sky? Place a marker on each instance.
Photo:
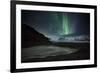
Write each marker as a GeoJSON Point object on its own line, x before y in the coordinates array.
{"type": "Point", "coordinates": [57, 23]}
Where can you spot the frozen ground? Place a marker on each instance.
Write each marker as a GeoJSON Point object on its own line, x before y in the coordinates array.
{"type": "Point", "coordinates": [44, 51]}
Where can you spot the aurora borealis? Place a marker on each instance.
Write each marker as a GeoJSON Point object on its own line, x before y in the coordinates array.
{"type": "Point", "coordinates": [57, 23]}
{"type": "Point", "coordinates": [65, 24]}
{"type": "Point", "coordinates": [54, 36]}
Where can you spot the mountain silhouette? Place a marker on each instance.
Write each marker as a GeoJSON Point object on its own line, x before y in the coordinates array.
{"type": "Point", "coordinates": [31, 37]}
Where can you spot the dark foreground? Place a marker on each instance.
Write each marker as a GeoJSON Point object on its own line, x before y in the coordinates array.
{"type": "Point", "coordinates": [56, 52]}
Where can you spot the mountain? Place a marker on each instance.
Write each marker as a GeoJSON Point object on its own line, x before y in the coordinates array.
{"type": "Point", "coordinates": [31, 37]}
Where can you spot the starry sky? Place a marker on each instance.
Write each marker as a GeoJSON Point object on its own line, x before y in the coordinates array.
{"type": "Point", "coordinates": [57, 23]}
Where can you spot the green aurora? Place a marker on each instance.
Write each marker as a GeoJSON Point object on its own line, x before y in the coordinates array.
{"type": "Point", "coordinates": [63, 26]}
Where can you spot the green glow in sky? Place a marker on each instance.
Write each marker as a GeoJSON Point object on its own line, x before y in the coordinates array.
{"type": "Point", "coordinates": [61, 24]}
{"type": "Point", "coordinates": [65, 24]}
